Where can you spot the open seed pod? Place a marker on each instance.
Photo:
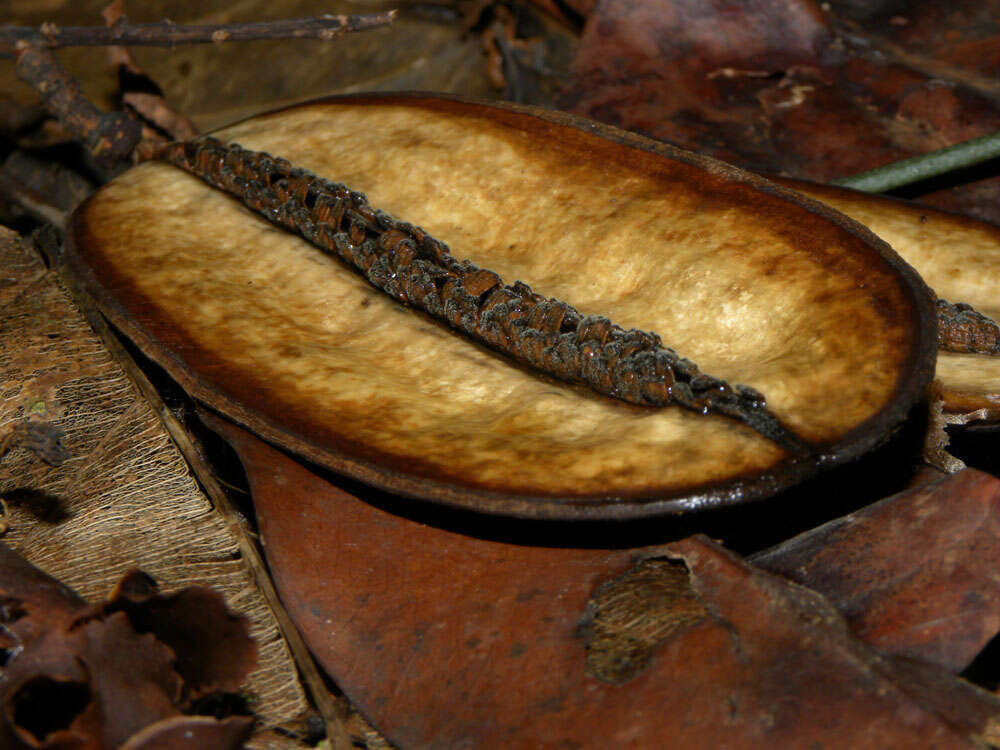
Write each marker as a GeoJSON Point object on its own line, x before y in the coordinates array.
{"type": "Point", "coordinates": [959, 258]}
{"type": "Point", "coordinates": [757, 285]}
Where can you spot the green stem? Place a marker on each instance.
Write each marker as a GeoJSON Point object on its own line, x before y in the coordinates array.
{"type": "Point", "coordinates": [921, 167]}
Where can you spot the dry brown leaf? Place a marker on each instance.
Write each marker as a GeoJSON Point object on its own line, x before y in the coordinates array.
{"type": "Point", "coordinates": [914, 574]}
{"type": "Point", "coordinates": [797, 87]}
{"type": "Point", "coordinates": [84, 676]}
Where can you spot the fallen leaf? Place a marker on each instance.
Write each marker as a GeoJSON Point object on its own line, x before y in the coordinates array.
{"type": "Point", "coordinates": [212, 646]}
{"type": "Point", "coordinates": [914, 574]}
{"type": "Point", "coordinates": [795, 88]}
{"type": "Point", "coordinates": [443, 639]}
{"type": "Point", "coordinates": [82, 676]}
{"type": "Point", "coordinates": [182, 732]}
{"type": "Point", "coordinates": [125, 497]}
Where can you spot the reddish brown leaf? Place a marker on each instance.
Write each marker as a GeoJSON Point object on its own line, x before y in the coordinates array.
{"type": "Point", "coordinates": [443, 639]}
{"type": "Point", "coordinates": [30, 600]}
{"type": "Point", "coordinates": [101, 680]}
{"type": "Point", "coordinates": [914, 574]}
{"type": "Point", "coordinates": [47, 712]}
{"type": "Point", "coordinates": [784, 87]}
{"type": "Point", "coordinates": [569, 12]}
{"type": "Point", "coordinates": [962, 33]}
{"type": "Point", "coordinates": [38, 665]}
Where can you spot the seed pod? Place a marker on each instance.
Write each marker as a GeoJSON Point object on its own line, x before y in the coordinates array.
{"type": "Point", "coordinates": [631, 365]}
{"type": "Point", "coordinates": [959, 258]}
{"type": "Point", "coordinates": [582, 225]}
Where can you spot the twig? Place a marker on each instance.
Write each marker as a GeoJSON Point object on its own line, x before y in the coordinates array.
{"type": "Point", "coordinates": [168, 33]}
{"type": "Point", "coordinates": [921, 167]}
{"type": "Point", "coordinates": [110, 136]}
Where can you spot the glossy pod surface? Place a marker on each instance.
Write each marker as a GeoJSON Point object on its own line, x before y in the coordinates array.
{"type": "Point", "coordinates": [754, 284]}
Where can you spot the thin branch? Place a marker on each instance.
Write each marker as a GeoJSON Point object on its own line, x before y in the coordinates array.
{"type": "Point", "coordinates": [168, 33]}
{"type": "Point", "coordinates": [110, 136]}
{"type": "Point", "coordinates": [921, 167]}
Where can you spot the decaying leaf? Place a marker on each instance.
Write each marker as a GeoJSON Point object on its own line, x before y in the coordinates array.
{"type": "Point", "coordinates": [212, 647]}
{"type": "Point", "coordinates": [797, 87]}
{"type": "Point", "coordinates": [959, 258]}
{"type": "Point", "coordinates": [682, 645]}
{"type": "Point", "coordinates": [82, 676]}
{"type": "Point", "coordinates": [188, 731]}
{"type": "Point", "coordinates": [753, 284]}
{"type": "Point", "coordinates": [914, 574]}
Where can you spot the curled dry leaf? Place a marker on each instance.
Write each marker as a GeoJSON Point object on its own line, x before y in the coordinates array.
{"type": "Point", "coordinates": [126, 496]}
{"type": "Point", "coordinates": [959, 258]}
{"type": "Point", "coordinates": [754, 284]}
{"type": "Point", "coordinates": [139, 92]}
{"type": "Point", "coordinates": [682, 645]}
{"type": "Point", "coordinates": [76, 675]}
{"type": "Point", "coordinates": [190, 732]}
{"type": "Point", "coordinates": [212, 646]}
{"type": "Point", "coordinates": [26, 589]}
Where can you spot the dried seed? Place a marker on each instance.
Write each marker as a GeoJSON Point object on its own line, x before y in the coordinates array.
{"type": "Point", "coordinates": [965, 330]}
{"type": "Point", "coordinates": [547, 334]}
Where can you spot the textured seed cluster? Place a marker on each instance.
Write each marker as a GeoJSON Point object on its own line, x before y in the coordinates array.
{"type": "Point", "coordinates": [963, 329]}
{"type": "Point", "coordinates": [405, 262]}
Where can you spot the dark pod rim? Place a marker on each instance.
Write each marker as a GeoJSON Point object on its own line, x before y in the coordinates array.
{"type": "Point", "coordinates": [377, 470]}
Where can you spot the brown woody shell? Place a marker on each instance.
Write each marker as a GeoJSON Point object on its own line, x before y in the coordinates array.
{"type": "Point", "coordinates": [755, 284]}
